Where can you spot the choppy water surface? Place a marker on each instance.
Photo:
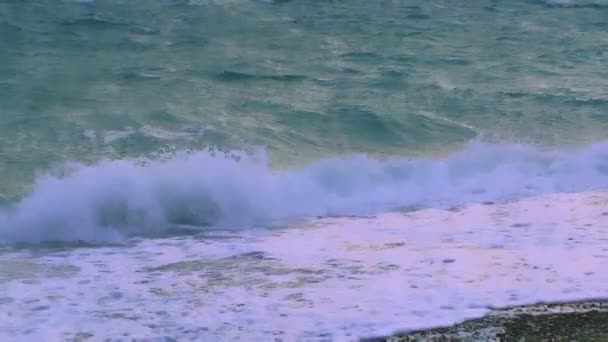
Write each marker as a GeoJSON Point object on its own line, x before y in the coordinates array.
{"type": "Point", "coordinates": [140, 119]}
{"type": "Point", "coordinates": [113, 79]}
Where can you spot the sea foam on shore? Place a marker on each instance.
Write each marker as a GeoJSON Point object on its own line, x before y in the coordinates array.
{"type": "Point", "coordinates": [342, 278]}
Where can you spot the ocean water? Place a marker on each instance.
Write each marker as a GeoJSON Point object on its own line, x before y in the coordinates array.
{"type": "Point", "coordinates": [296, 170]}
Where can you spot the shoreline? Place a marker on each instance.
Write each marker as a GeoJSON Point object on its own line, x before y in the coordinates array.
{"type": "Point", "coordinates": [357, 277]}
{"type": "Point", "coordinates": [580, 320]}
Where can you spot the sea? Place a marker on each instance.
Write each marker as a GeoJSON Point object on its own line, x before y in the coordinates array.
{"type": "Point", "coordinates": [297, 170]}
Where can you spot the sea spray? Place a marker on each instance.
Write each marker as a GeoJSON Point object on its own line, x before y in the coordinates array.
{"type": "Point", "coordinates": [117, 198]}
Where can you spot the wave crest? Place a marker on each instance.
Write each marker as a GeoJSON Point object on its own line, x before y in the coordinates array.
{"type": "Point", "coordinates": [113, 199]}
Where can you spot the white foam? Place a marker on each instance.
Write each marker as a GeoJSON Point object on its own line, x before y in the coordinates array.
{"type": "Point", "coordinates": [164, 134]}
{"type": "Point", "coordinates": [89, 134]}
{"type": "Point", "coordinates": [113, 198]}
{"type": "Point", "coordinates": [112, 136]}
{"type": "Point", "coordinates": [343, 277]}
{"type": "Point", "coordinates": [576, 3]}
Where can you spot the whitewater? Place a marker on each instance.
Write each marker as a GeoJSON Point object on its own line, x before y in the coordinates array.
{"type": "Point", "coordinates": [297, 170]}
{"type": "Point", "coordinates": [323, 279]}
{"type": "Point", "coordinates": [208, 189]}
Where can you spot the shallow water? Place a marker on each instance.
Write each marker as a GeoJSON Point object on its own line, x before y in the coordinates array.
{"type": "Point", "coordinates": [325, 279]}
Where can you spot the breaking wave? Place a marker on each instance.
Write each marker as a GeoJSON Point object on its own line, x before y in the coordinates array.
{"type": "Point", "coordinates": [118, 198]}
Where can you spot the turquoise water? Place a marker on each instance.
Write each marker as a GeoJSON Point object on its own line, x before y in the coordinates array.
{"type": "Point", "coordinates": [307, 88]}
{"type": "Point", "coordinates": [298, 170]}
